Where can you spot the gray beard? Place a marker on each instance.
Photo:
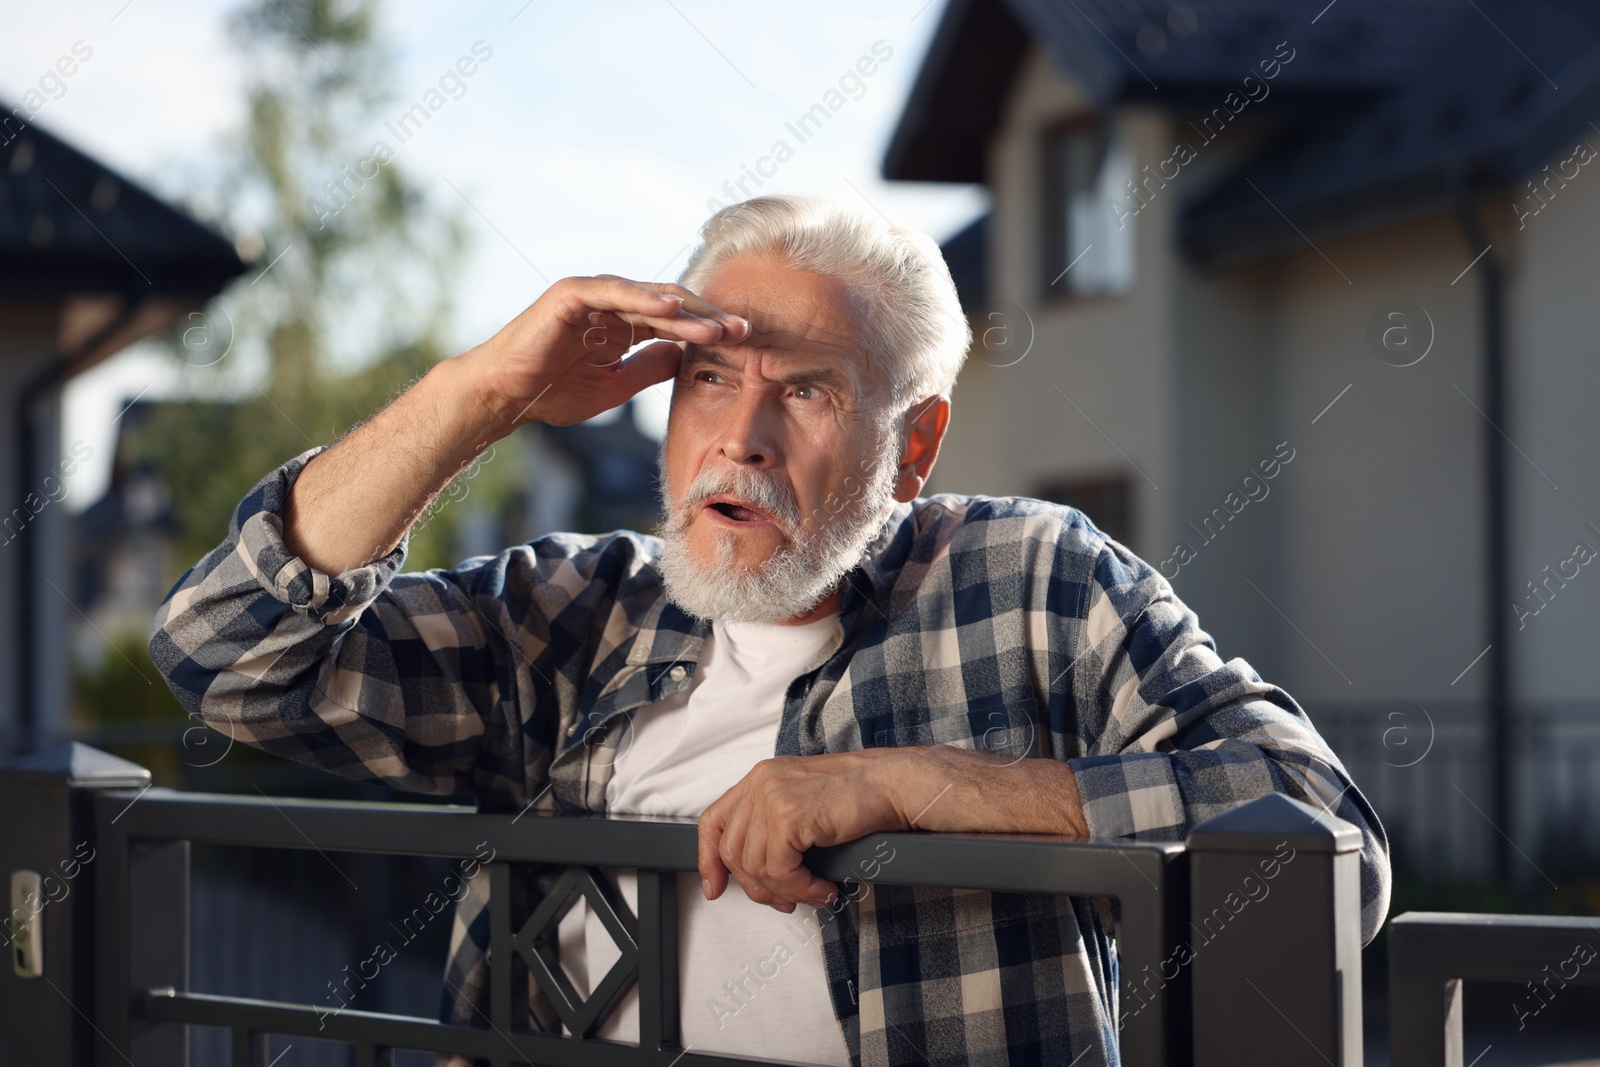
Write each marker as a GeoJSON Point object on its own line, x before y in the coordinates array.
{"type": "Point", "coordinates": [809, 566]}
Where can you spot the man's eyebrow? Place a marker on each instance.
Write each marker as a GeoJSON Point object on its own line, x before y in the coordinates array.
{"type": "Point", "coordinates": [818, 376]}
{"type": "Point", "coordinates": [694, 355]}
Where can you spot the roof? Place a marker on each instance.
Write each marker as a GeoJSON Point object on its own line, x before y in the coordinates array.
{"type": "Point", "coordinates": [109, 520]}
{"type": "Point", "coordinates": [1388, 107]}
{"type": "Point", "coordinates": [955, 102]}
{"type": "Point", "coordinates": [1481, 112]}
{"type": "Point", "coordinates": [965, 254]}
{"type": "Point", "coordinates": [71, 224]}
{"type": "Point", "coordinates": [617, 465]}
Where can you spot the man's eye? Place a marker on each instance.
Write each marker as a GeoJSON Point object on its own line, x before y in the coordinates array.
{"type": "Point", "coordinates": [807, 392]}
{"type": "Point", "coordinates": [708, 376]}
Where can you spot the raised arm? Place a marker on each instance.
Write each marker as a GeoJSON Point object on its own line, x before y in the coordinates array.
{"type": "Point", "coordinates": [296, 635]}
{"type": "Point", "coordinates": [558, 362]}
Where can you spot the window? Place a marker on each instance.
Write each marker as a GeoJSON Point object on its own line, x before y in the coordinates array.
{"type": "Point", "coordinates": [1088, 242]}
{"type": "Point", "coordinates": [1104, 499]}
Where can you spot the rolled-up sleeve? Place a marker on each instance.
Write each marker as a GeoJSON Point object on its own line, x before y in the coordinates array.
{"type": "Point", "coordinates": [367, 674]}
{"type": "Point", "coordinates": [1173, 735]}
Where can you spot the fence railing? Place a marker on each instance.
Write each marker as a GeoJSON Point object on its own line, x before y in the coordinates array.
{"type": "Point", "coordinates": [1241, 944]}
{"type": "Point", "coordinates": [1432, 953]}
{"type": "Point", "coordinates": [1426, 770]}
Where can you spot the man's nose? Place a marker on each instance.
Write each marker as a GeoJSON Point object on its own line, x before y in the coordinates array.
{"type": "Point", "coordinates": [746, 435]}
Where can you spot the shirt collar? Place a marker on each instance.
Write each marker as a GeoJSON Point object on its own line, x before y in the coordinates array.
{"type": "Point", "coordinates": [668, 634]}
{"type": "Point", "coordinates": [865, 597]}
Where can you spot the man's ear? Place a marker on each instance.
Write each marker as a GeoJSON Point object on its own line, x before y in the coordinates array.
{"type": "Point", "coordinates": [924, 428]}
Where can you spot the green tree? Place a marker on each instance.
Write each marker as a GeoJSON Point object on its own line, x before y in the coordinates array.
{"type": "Point", "coordinates": [354, 304]}
{"type": "Point", "coordinates": [345, 305]}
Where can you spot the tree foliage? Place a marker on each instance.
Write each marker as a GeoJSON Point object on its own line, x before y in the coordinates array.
{"type": "Point", "coordinates": [349, 296]}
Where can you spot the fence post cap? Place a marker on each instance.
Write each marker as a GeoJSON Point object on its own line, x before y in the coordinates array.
{"type": "Point", "coordinates": [74, 765]}
{"type": "Point", "coordinates": [1261, 825]}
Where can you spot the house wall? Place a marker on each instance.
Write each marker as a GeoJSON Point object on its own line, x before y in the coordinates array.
{"type": "Point", "coordinates": [1177, 373]}
{"type": "Point", "coordinates": [1373, 528]}
{"type": "Point", "coordinates": [27, 339]}
{"type": "Point", "coordinates": [1378, 527]}
{"type": "Point", "coordinates": [1011, 427]}
{"type": "Point", "coordinates": [1226, 529]}
{"type": "Point", "coordinates": [1554, 350]}
{"type": "Point", "coordinates": [1357, 581]}
{"type": "Point", "coordinates": [1382, 529]}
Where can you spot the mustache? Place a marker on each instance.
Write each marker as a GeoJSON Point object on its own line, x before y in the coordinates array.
{"type": "Point", "coordinates": [761, 490]}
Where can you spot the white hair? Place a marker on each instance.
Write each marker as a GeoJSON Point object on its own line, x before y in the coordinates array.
{"type": "Point", "coordinates": [915, 328]}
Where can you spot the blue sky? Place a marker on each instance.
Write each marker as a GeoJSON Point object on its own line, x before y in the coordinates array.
{"type": "Point", "coordinates": [589, 142]}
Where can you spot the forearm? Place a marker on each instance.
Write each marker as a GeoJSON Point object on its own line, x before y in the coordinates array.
{"type": "Point", "coordinates": [354, 502]}
{"type": "Point", "coordinates": [303, 665]}
{"type": "Point", "coordinates": [559, 362]}
{"type": "Point", "coordinates": [942, 788]}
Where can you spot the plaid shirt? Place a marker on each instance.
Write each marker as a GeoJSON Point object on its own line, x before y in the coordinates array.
{"type": "Point", "coordinates": [1004, 623]}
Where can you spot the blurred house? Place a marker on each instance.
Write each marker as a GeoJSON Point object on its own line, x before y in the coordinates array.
{"type": "Point", "coordinates": [122, 547]}
{"type": "Point", "coordinates": [1297, 301]}
{"type": "Point", "coordinates": [89, 263]}
{"type": "Point", "coordinates": [590, 477]}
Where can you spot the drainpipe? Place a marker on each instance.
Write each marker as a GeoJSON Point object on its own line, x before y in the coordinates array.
{"type": "Point", "coordinates": [51, 378]}
{"type": "Point", "coordinates": [1497, 527]}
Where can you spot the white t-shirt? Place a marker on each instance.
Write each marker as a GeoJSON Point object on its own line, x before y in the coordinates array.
{"type": "Point", "coordinates": [751, 979]}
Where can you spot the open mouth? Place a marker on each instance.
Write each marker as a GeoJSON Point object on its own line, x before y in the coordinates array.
{"type": "Point", "coordinates": [735, 511]}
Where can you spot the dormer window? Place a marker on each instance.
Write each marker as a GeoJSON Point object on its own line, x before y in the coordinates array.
{"type": "Point", "coordinates": [1088, 226]}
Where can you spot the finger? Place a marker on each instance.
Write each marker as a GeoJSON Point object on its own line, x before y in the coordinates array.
{"type": "Point", "coordinates": [759, 894]}
{"type": "Point", "coordinates": [754, 860]}
{"type": "Point", "coordinates": [681, 327]}
{"type": "Point", "coordinates": [734, 851]}
{"type": "Point", "coordinates": [607, 292]}
{"type": "Point", "coordinates": [608, 337]}
{"type": "Point", "coordinates": [655, 362]}
{"type": "Point", "coordinates": [785, 832]}
{"type": "Point", "coordinates": [713, 872]}
{"type": "Point", "coordinates": [661, 307]}
{"type": "Point", "coordinates": [626, 378]}
{"type": "Point", "coordinates": [686, 325]}
{"type": "Point", "coordinates": [735, 325]}
{"type": "Point", "coordinates": [794, 882]}
{"type": "Point", "coordinates": [731, 848]}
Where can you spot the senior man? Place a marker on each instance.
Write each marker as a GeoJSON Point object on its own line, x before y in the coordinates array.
{"type": "Point", "coordinates": [809, 652]}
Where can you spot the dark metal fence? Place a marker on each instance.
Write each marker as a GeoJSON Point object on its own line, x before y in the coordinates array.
{"type": "Point", "coordinates": [1432, 953]}
{"type": "Point", "coordinates": [1427, 772]}
{"type": "Point", "coordinates": [1241, 944]}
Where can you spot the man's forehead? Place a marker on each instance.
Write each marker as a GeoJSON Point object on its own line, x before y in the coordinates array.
{"type": "Point", "coordinates": [785, 319]}
{"type": "Point", "coordinates": [789, 304]}
{"type": "Point", "coordinates": [795, 314]}
{"type": "Point", "coordinates": [814, 342]}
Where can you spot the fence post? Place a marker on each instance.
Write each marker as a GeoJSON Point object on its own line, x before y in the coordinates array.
{"type": "Point", "coordinates": [47, 844]}
{"type": "Point", "coordinates": [1275, 937]}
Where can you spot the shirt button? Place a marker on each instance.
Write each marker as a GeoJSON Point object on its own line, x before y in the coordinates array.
{"type": "Point", "coordinates": [572, 729]}
{"type": "Point", "coordinates": [677, 674]}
